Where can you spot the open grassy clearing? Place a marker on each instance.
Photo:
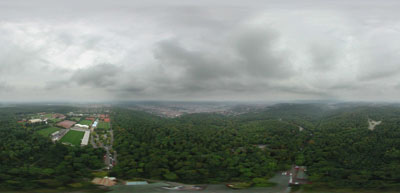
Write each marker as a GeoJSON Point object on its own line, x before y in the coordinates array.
{"type": "Point", "coordinates": [48, 115]}
{"type": "Point", "coordinates": [47, 131]}
{"type": "Point", "coordinates": [103, 125]}
{"type": "Point", "coordinates": [77, 119]}
{"type": "Point", "coordinates": [85, 122]}
{"type": "Point", "coordinates": [73, 137]}
{"type": "Point", "coordinates": [55, 120]}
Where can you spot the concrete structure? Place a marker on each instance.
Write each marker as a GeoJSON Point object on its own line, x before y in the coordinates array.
{"type": "Point", "coordinates": [58, 115]}
{"type": "Point", "coordinates": [136, 183]}
{"type": "Point", "coordinates": [104, 181]}
{"type": "Point", "coordinates": [79, 129]}
{"type": "Point", "coordinates": [72, 114]}
{"type": "Point", "coordinates": [95, 123]}
{"type": "Point", "coordinates": [35, 121]}
{"type": "Point", "coordinates": [298, 176]}
{"type": "Point", "coordinates": [85, 139]}
{"type": "Point", "coordinates": [112, 178]}
{"type": "Point", "coordinates": [58, 134]}
{"type": "Point", "coordinates": [55, 133]}
{"type": "Point", "coordinates": [82, 126]}
{"type": "Point", "coordinates": [90, 118]}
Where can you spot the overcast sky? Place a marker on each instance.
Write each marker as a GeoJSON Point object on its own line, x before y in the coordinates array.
{"type": "Point", "coordinates": [98, 50]}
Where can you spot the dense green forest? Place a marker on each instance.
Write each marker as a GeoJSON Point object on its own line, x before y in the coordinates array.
{"type": "Point", "coordinates": [29, 160]}
{"type": "Point", "coordinates": [200, 148]}
{"type": "Point", "coordinates": [335, 145]}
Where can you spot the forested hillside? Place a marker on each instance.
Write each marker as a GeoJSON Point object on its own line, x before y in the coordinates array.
{"type": "Point", "coordinates": [200, 148]}
{"type": "Point", "coordinates": [333, 141]}
{"type": "Point", "coordinates": [335, 144]}
{"type": "Point", "coordinates": [29, 160]}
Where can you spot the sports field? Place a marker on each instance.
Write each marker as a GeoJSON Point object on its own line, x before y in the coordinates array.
{"type": "Point", "coordinates": [73, 137]}
{"type": "Point", "coordinates": [75, 119]}
{"type": "Point", "coordinates": [85, 122]}
{"type": "Point", "coordinates": [55, 120]}
{"type": "Point", "coordinates": [103, 125]}
{"type": "Point", "coordinates": [48, 115]}
{"type": "Point", "coordinates": [47, 131]}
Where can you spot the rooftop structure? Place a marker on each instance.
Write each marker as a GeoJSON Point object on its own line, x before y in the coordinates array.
{"type": "Point", "coordinates": [298, 175]}
{"type": "Point", "coordinates": [58, 115]}
{"type": "Point", "coordinates": [55, 133]}
{"type": "Point", "coordinates": [82, 126]}
{"type": "Point", "coordinates": [136, 183]}
{"type": "Point", "coordinates": [72, 114]}
{"type": "Point", "coordinates": [95, 123]}
{"type": "Point", "coordinates": [104, 181]}
{"type": "Point", "coordinates": [58, 134]}
{"type": "Point", "coordinates": [90, 118]}
{"type": "Point", "coordinates": [35, 121]}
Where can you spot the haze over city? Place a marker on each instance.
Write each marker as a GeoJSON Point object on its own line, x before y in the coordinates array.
{"type": "Point", "coordinates": [98, 50]}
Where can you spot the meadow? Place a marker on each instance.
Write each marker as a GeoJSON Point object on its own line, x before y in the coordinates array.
{"type": "Point", "coordinates": [103, 125]}
{"type": "Point", "coordinates": [77, 119]}
{"type": "Point", "coordinates": [47, 131]}
{"type": "Point", "coordinates": [73, 137]}
{"type": "Point", "coordinates": [85, 122]}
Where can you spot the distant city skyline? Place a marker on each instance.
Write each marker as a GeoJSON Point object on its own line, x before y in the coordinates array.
{"type": "Point", "coordinates": [229, 50]}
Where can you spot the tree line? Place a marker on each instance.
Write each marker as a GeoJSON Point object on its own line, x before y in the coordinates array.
{"type": "Point", "coordinates": [335, 145]}
{"type": "Point", "coordinates": [29, 160]}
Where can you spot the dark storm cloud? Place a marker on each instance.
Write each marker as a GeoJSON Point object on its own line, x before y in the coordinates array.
{"type": "Point", "coordinates": [102, 75]}
{"type": "Point", "coordinates": [257, 49]}
{"type": "Point", "coordinates": [189, 50]}
{"type": "Point", "coordinates": [206, 70]}
{"type": "Point", "coordinates": [195, 65]}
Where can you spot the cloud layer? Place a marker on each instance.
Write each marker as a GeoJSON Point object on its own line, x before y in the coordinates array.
{"type": "Point", "coordinates": [199, 50]}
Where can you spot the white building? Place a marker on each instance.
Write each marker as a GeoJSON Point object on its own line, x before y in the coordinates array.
{"type": "Point", "coordinates": [82, 126]}
{"type": "Point", "coordinates": [85, 139]}
{"type": "Point", "coordinates": [55, 133]}
{"type": "Point", "coordinates": [35, 121]}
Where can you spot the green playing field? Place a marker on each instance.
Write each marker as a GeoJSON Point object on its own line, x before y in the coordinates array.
{"type": "Point", "coordinates": [73, 137]}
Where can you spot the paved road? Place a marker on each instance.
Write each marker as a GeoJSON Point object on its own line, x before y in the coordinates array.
{"type": "Point", "coordinates": [112, 142]}
{"type": "Point", "coordinates": [107, 161]}
{"type": "Point", "coordinates": [92, 141]}
{"type": "Point", "coordinates": [109, 158]}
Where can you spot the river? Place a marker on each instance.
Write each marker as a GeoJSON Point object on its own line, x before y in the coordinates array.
{"type": "Point", "coordinates": [281, 187]}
